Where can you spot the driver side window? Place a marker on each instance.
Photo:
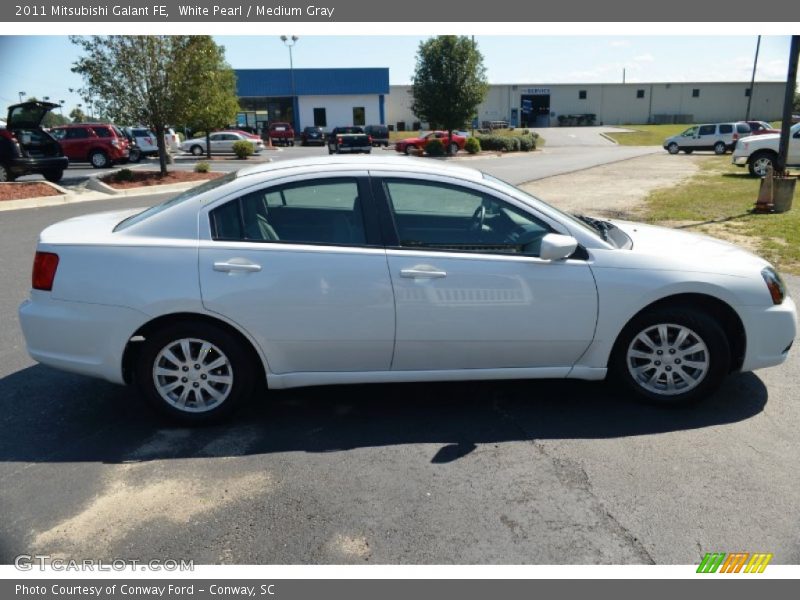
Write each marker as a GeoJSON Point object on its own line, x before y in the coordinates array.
{"type": "Point", "coordinates": [451, 218]}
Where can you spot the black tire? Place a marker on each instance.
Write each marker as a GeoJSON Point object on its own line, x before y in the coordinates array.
{"type": "Point", "coordinates": [330, 150]}
{"type": "Point", "coordinates": [197, 150]}
{"type": "Point", "coordinates": [135, 155]}
{"type": "Point", "coordinates": [239, 367]}
{"type": "Point", "coordinates": [760, 162]}
{"type": "Point", "coordinates": [99, 159]}
{"type": "Point", "coordinates": [5, 174]}
{"type": "Point", "coordinates": [716, 356]}
{"type": "Point", "coordinates": [720, 148]}
{"type": "Point", "coordinates": [410, 150]}
{"type": "Point", "coordinates": [453, 149]}
{"type": "Point", "coordinates": [673, 148]}
{"type": "Point", "coordinates": [53, 175]}
{"type": "Point", "coordinates": [688, 150]}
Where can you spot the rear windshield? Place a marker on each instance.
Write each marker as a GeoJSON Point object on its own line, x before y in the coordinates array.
{"type": "Point", "coordinates": [349, 130]}
{"type": "Point", "coordinates": [180, 198]}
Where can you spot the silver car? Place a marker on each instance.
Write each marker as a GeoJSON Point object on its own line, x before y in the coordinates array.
{"type": "Point", "coordinates": [719, 137]}
{"type": "Point", "coordinates": [221, 143]}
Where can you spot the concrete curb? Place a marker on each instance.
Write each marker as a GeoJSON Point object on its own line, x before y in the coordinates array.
{"type": "Point", "coordinates": [609, 138]}
{"type": "Point", "coordinates": [68, 197]}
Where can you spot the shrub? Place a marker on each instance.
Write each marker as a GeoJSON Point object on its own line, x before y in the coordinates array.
{"type": "Point", "coordinates": [123, 175]}
{"type": "Point", "coordinates": [242, 149]}
{"type": "Point", "coordinates": [508, 143]}
{"type": "Point", "coordinates": [202, 167]}
{"type": "Point", "coordinates": [472, 145]}
{"type": "Point", "coordinates": [434, 148]}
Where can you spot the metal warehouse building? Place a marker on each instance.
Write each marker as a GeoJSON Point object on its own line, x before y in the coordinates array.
{"type": "Point", "coordinates": [327, 98]}
{"type": "Point", "coordinates": [541, 105]}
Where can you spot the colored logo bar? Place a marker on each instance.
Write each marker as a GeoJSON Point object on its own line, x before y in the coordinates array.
{"type": "Point", "coordinates": [735, 562]}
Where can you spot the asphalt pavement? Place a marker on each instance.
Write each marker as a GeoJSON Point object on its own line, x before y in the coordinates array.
{"type": "Point", "coordinates": [514, 472]}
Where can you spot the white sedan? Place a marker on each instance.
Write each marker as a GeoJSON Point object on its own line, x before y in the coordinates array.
{"type": "Point", "coordinates": [221, 143]}
{"type": "Point", "coordinates": [341, 271]}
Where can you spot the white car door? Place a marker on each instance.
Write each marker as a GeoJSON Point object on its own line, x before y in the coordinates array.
{"type": "Point", "coordinates": [470, 291]}
{"type": "Point", "coordinates": [295, 265]}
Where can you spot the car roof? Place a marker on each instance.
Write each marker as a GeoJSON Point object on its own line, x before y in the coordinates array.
{"type": "Point", "coordinates": [389, 163]}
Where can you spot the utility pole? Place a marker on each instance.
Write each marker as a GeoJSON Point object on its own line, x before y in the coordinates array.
{"type": "Point", "coordinates": [786, 121]}
{"type": "Point", "coordinates": [752, 81]}
{"type": "Point", "coordinates": [623, 75]}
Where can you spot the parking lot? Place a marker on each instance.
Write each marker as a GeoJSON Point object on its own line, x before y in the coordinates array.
{"type": "Point", "coordinates": [489, 472]}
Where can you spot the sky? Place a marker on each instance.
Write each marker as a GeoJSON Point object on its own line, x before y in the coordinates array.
{"type": "Point", "coordinates": [40, 65]}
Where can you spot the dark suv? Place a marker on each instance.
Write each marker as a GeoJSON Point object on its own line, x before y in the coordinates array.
{"type": "Point", "coordinates": [26, 148]}
{"type": "Point", "coordinates": [98, 143]}
{"type": "Point", "coordinates": [378, 133]}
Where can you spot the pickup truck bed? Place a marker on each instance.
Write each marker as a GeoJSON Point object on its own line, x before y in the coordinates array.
{"type": "Point", "coordinates": [349, 139]}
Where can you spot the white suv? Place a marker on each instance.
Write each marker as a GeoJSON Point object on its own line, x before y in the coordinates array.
{"type": "Point", "coordinates": [719, 137]}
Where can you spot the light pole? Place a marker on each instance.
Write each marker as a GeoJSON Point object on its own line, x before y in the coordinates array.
{"type": "Point", "coordinates": [289, 43]}
{"type": "Point", "coordinates": [21, 94]}
{"type": "Point", "coordinates": [61, 107]}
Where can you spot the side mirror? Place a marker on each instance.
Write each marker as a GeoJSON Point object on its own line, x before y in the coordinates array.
{"type": "Point", "coordinates": [557, 247]}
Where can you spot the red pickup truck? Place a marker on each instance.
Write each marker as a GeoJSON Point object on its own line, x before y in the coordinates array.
{"type": "Point", "coordinates": [281, 133]}
{"type": "Point", "coordinates": [412, 145]}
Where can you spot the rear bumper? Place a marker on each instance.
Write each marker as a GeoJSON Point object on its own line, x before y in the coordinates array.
{"type": "Point", "coordinates": [769, 334]}
{"type": "Point", "coordinates": [79, 337]}
{"type": "Point", "coordinates": [353, 149]}
{"type": "Point", "coordinates": [22, 165]}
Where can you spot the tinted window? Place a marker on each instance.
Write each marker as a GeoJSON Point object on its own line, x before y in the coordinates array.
{"type": "Point", "coordinates": [743, 128]}
{"type": "Point", "coordinates": [142, 133]}
{"type": "Point", "coordinates": [319, 212]}
{"type": "Point", "coordinates": [445, 217]}
{"type": "Point", "coordinates": [76, 133]}
{"type": "Point", "coordinates": [726, 128]}
{"type": "Point", "coordinates": [708, 129]}
{"type": "Point", "coordinates": [103, 132]}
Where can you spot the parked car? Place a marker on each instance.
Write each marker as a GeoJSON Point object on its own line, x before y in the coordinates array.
{"type": "Point", "coordinates": [26, 148]}
{"type": "Point", "coordinates": [144, 143]}
{"type": "Point", "coordinates": [760, 152]}
{"type": "Point", "coordinates": [338, 271]}
{"type": "Point", "coordinates": [101, 144]}
{"type": "Point", "coordinates": [349, 140]}
{"type": "Point", "coordinates": [312, 135]}
{"type": "Point", "coordinates": [761, 127]}
{"type": "Point", "coordinates": [244, 133]}
{"type": "Point", "coordinates": [221, 143]}
{"type": "Point", "coordinates": [417, 144]}
{"type": "Point", "coordinates": [379, 134]}
{"type": "Point", "coordinates": [281, 133]}
{"type": "Point", "coordinates": [719, 137]}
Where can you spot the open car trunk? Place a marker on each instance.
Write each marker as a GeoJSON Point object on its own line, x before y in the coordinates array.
{"type": "Point", "coordinates": [24, 122]}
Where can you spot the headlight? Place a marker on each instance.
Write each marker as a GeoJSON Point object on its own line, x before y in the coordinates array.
{"type": "Point", "coordinates": [775, 285]}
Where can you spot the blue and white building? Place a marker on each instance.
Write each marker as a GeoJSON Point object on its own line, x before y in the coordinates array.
{"type": "Point", "coordinates": [326, 98]}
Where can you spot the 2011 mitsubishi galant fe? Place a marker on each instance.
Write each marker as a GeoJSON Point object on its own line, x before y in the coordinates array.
{"type": "Point", "coordinates": [341, 271]}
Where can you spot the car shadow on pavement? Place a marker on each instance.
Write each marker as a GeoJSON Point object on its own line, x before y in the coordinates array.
{"type": "Point", "coordinates": [49, 416]}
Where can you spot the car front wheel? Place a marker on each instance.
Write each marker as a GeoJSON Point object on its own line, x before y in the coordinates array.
{"type": "Point", "coordinates": [410, 150]}
{"type": "Point", "coordinates": [195, 372]}
{"type": "Point", "coordinates": [672, 356]}
{"type": "Point", "coordinates": [760, 163]}
{"type": "Point", "coordinates": [5, 174]}
{"type": "Point", "coordinates": [673, 148]}
{"type": "Point", "coordinates": [196, 150]}
{"type": "Point", "coordinates": [54, 175]}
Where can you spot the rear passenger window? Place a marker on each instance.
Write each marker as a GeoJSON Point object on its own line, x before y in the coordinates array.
{"type": "Point", "coordinates": [743, 128]}
{"type": "Point", "coordinates": [102, 132]}
{"type": "Point", "coordinates": [708, 130]}
{"type": "Point", "coordinates": [318, 212]}
{"type": "Point", "coordinates": [726, 128]}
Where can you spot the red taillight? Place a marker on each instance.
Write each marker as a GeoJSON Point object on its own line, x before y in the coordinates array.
{"type": "Point", "coordinates": [44, 270]}
{"type": "Point", "coordinates": [369, 137]}
{"type": "Point", "coordinates": [339, 140]}
{"type": "Point", "coordinates": [5, 133]}
{"type": "Point", "coordinates": [735, 136]}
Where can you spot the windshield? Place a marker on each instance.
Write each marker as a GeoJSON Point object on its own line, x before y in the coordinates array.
{"type": "Point", "coordinates": [187, 195]}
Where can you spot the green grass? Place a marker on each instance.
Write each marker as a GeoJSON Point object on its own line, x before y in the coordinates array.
{"type": "Point", "coordinates": [717, 201]}
{"type": "Point", "coordinates": [647, 135]}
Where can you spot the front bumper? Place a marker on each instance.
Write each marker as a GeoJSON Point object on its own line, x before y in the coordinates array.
{"type": "Point", "coordinates": [79, 337]}
{"type": "Point", "coordinates": [739, 161]}
{"type": "Point", "coordinates": [769, 334]}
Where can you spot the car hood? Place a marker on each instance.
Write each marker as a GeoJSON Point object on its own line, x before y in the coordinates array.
{"type": "Point", "coordinates": [28, 115]}
{"type": "Point", "coordinates": [690, 251]}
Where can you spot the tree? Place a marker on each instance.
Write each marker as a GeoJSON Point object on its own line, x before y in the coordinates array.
{"type": "Point", "coordinates": [77, 115]}
{"type": "Point", "coordinates": [145, 79]}
{"type": "Point", "coordinates": [449, 81]}
{"type": "Point", "coordinates": [210, 85]}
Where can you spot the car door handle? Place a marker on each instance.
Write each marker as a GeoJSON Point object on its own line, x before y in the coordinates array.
{"type": "Point", "coordinates": [422, 272]}
{"type": "Point", "coordinates": [237, 266]}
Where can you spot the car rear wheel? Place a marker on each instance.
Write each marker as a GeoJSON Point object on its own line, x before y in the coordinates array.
{"type": "Point", "coordinates": [410, 150]}
{"type": "Point", "coordinates": [135, 155]}
{"type": "Point", "coordinates": [99, 159]}
{"type": "Point", "coordinates": [673, 148]}
{"type": "Point", "coordinates": [720, 148]}
{"type": "Point", "coordinates": [5, 174]}
{"type": "Point", "coordinates": [195, 372]}
{"type": "Point", "coordinates": [453, 148]}
{"type": "Point", "coordinates": [760, 163]}
{"type": "Point", "coordinates": [672, 356]}
{"type": "Point", "coordinates": [196, 150]}
{"type": "Point", "coordinates": [54, 175]}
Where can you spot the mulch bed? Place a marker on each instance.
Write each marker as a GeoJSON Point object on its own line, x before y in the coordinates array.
{"type": "Point", "coordinates": [148, 178]}
{"type": "Point", "coordinates": [22, 190]}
